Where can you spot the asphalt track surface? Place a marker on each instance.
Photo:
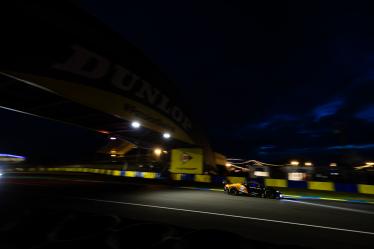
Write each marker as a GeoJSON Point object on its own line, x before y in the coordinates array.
{"type": "Point", "coordinates": [314, 224]}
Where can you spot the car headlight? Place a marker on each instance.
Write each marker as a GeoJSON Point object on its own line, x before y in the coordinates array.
{"type": "Point", "coordinates": [280, 196]}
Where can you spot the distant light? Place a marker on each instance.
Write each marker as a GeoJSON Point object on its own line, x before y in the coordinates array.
{"type": "Point", "coordinates": [113, 151]}
{"type": "Point", "coordinates": [135, 124]}
{"type": "Point", "coordinates": [367, 165]}
{"type": "Point", "coordinates": [228, 164]}
{"type": "Point", "coordinates": [334, 173]}
{"type": "Point", "coordinates": [308, 164]}
{"type": "Point", "coordinates": [157, 151]}
{"type": "Point", "coordinates": [294, 163]}
{"type": "Point", "coordinates": [113, 155]}
{"type": "Point", "coordinates": [261, 173]}
{"type": "Point", "coordinates": [103, 132]}
{"type": "Point", "coordinates": [113, 138]}
{"type": "Point", "coordinates": [1, 174]}
{"type": "Point", "coordinates": [333, 165]}
{"type": "Point", "coordinates": [296, 176]}
{"type": "Point", "coordinates": [166, 135]}
{"type": "Point", "coordinates": [165, 151]}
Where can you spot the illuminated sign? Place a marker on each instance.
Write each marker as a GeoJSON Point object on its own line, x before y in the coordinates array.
{"type": "Point", "coordinates": [187, 160]}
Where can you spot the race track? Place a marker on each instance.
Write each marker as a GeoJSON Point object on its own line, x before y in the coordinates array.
{"type": "Point", "coordinates": [316, 224]}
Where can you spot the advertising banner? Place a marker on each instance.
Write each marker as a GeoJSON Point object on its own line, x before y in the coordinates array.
{"type": "Point", "coordinates": [187, 161]}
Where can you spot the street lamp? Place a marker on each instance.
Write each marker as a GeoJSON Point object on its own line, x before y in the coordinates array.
{"type": "Point", "coordinates": [369, 163]}
{"type": "Point", "coordinates": [295, 163]}
{"type": "Point", "coordinates": [166, 135]}
{"type": "Point", "coordinates": [157, 151]}
{"type": "Point", "coordinates": [333, 165]}
{"type": "Point", "coordinates": [113, 138]}
{"type": "Point", "coordinates": [308, 164]}
{"type": "Point", "coordinates": [135, 124]}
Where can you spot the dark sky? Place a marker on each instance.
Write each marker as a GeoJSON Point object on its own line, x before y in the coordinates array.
{"type": "Point", "coordinates": [269, 80]}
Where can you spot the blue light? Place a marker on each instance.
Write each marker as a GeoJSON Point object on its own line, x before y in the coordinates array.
{"type": "Point", "coordinates": [10, 155]}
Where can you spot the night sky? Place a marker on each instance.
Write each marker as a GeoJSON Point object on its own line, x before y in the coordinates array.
{"type": "Point", "coordinates": [267, 80]}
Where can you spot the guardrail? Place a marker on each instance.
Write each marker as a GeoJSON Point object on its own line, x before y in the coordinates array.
{"type": "Point", "coordinates": [280, 183]}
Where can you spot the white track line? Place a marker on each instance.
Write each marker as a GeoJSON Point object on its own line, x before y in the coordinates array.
{"type": "Point", "coordinates": [333, 207]}
{"type": "Point", "coordinates": [225, 215]}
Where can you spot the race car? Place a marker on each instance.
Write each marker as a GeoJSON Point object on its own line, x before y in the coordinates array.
{"type": "Point", "coordinates": [252, 189]}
